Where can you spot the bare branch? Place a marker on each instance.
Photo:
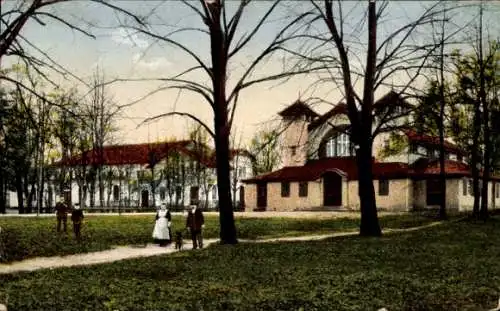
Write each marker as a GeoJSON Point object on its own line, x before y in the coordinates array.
{"type": "Point", "coordinates": [184, 114]}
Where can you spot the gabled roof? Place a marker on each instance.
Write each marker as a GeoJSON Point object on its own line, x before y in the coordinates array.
{"type": "Point", "coordinates": [340, 108]}
{"type": "Point", "coordinates": [298, 109]}
{"type": "Point", "coordinates": [428, 140]}
{"type": "Point", "coordinates": [389, 100]}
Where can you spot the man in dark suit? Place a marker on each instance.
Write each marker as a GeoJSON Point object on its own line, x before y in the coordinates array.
{"type": "Point", "coordinates": [62, 209]}
{"type": "Point", "coordinates": [194, 223]}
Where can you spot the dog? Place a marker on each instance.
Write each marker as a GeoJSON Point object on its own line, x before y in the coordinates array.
{"type": "Point", "coordinates": [178, 240]}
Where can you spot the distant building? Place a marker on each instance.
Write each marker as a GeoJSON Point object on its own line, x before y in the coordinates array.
{"type": "Point", "coordinates": [184, 174]}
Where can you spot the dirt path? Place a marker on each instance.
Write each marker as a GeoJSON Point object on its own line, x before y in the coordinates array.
{"type": "Point", "coordinates": [129, 252]}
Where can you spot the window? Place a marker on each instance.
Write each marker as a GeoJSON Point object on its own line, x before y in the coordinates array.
{"type": "Point", "coordinates": [116, 193]}
{"type": "Point", "coordinates": [383, 187]}
{"type": "Point", "coordinates": [470, 187]}
{"type": "Point", "coordinates": [465, 185]}
{"type": "Point", "coordinates": [214, 193]}
{"type": "Point", "coordinates": [163, 193]}
{"type": "Point", "coordinates": [285, 189]}
{"type": "Point", "coordinates": [339, 146]}
{"type": "Point", "coordinates": [303, 189]}
{"type": "Point", "coordinates": [194, 195]}
{"type": "Point", "coordinates": [497, 190]}
{"type": "Point", "coordinates": [294, 150]}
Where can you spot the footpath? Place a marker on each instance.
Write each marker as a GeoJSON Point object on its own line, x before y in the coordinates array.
{"type": "Point", "coordinates": [131, 251]}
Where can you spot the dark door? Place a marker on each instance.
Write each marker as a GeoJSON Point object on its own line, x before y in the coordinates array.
{"type": "Point", "coordinates": [242, 197]}
{"type": "Point", "coordinates": [194, 195]}
{"type": "Point", "coordinates": [145, 198]}
{"type": "Point", "coordinates": [332, 189]}
{"type": "Point", "coordinates": [434, 193]}
{"type": "Point", "coordinates": [262, 195]}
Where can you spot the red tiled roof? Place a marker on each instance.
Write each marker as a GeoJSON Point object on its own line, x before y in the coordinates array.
{"type": "Point", "coordinates": [313, 170]}
{"type": "Point", "coordinates": [134, 154]}
{"type": "Point", "coordinates": [141, 154]}
{"type": "Point", "coordinates": [414, 136]}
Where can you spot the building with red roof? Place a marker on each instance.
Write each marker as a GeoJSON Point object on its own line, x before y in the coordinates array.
{"type": "Point", "coordinates": [320, 170]}
{"type": "Point", "coordinates": [184, 173]}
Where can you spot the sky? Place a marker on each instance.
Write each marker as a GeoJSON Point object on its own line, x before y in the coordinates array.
{"type": "Point", "coordinates": [119, 52]}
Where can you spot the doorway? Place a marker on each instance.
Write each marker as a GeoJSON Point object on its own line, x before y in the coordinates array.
{"type": "Point", "coordinates": [242, 197]}
{"type": "Point", "coordinates": [145, 198]}
{"type": "Point", "coordinates": [262, 196]}
{"type": "Point", "coordinates": [332, 189]}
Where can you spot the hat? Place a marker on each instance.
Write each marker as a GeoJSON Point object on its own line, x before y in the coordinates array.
{"type": "Point", "coordinates": [77, 206]}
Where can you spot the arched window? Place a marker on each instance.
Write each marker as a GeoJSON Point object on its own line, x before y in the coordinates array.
{"type": "Point", "coordinates": [339, 146]}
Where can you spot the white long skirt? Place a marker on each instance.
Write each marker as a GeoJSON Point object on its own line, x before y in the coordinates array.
{"type": "Point", "coordinates": [160, 231]}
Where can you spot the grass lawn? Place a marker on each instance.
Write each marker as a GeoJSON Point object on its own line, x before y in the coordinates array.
{"type": "Point", "coordinates": [448, 267]}
{"type": "Point", "coordinates": [26, 237]}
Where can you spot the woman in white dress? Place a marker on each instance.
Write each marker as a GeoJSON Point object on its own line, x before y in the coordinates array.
{"type": "Point", "coordinates": [161, 231]}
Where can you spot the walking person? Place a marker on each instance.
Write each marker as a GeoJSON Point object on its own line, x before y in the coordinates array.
{"type": "Point", "coordinates": [62, 209]}
{"type": "Point", "coordinates": [161, 231]}
{"type": "Point", "coordinates": [195, 222]}
{"type": "Point", "coordinates": [77, 219]}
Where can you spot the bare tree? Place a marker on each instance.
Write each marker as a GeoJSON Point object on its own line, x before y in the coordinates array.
{"type": "Point", "coordinates": [15, 15]}
{"type": "Point", "coordinates": [100, 116]}
{"type": "Point", "coordinates": [398, 53]}
{"type": "Point", "coordinates": [264, 148]}
{"type": "Point", "coordinates": [223, 30]}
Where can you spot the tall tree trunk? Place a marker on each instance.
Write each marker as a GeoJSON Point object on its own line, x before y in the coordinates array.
{"type": "Point", "coordinates": [226, 215]}
{"type": "Point", "coordinates": [153, 186]}
{"type": "Point", "coordinates": [3, 201]}
{"type": "Point", "coordinates": [475, 159]}
{"type": "Point", "coordinates": [221, 126]}
{"type": "Point", "coordinates": [486, 125]}
{"type": "Point", "coordinates": [442, 174]}
{"type": "Point", "coordinates": [369, 218]}
{"type": "Point", "coordinates": [20, 193]}
{"type": "Point", "coordinates": [442, 105]}
{"type": "Point", "coordinates": [92, 188]}
{"type": "Point", "coordinates": [101, 186]}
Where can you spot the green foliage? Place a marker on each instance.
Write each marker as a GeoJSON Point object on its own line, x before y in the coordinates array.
{"type": "Point", "coordinates": [466, 95]}
{"type": "Point", "coordinates": [438, 268]}
{"type": "Point", "coordinates": [28, 237]}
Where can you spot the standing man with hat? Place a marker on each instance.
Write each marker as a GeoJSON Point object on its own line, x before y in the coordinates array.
{"type": "Point", "coordinates": [62, 209]}
{"type": "Point", "coordinates": [194, 223]}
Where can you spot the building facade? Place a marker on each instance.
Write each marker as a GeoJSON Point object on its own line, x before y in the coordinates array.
{"type": "Point", "coordinates": [320, 170]}
{"type": "Point", "coordinates": [142, 176]}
